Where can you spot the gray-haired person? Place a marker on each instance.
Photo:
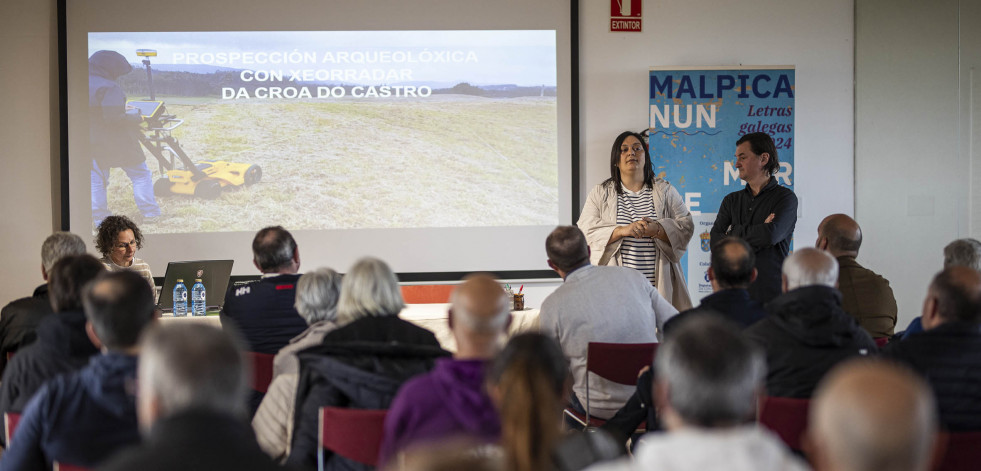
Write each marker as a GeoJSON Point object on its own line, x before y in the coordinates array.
{"type": "Point", "coordinates": [19, 318]}
{"type": "Point", "coordinates": [708, 381]}
{"type": "Point", "coordinates": [317, 294]}
{"type": "Point", "coordinates": [361, 364]}
{"type": "Point", "coordinates": [807, 332]}
{"type": "Point", "coordinates": [193, 384]}
{"type": "Point", "coordinates": [959, 253]}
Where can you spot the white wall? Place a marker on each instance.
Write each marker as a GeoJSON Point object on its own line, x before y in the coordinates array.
{"type": "Point", "coordinates": [816, 37]}
{"type": "Point", "coordinates": [29, 137]}
{"type": "Point", "coordinates": [912, 155]}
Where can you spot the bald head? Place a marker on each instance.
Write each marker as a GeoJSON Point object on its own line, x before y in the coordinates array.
{"type": "Point", "coordinates": [872, 415]}
{"type": "Point", "coordinates": [478, 313]}
{"type": "Point", "coordinates": [840, 235]}
{"type": "Point", "coordinates": [809, 267]}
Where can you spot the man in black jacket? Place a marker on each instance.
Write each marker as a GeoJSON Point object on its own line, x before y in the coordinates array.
{"type": "Point", "coordinates": [807, 332]}
{"type": "Point", "coordinates": [19, 318]}
{"type": "Point", "coordinates": [731, 272]}
{"type": "Point", "coordinates": [763, 214]}
{"type": "Point", "coordinates": [191, 406]}
{"type": "Point", "coordinates": [62, 343]}
{"type": "Point", "coordinates": [948, 351]}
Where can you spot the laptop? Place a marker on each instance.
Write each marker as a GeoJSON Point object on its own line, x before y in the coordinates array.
{"type": "Point", "coordinates": [213, 273]}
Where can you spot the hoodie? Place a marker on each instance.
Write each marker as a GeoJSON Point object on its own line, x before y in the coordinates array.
{"type": "Point", "coordinates": [448, 401]}
{"type": "Point", "coordinates": [80, 418]}
{"type": "Point", "coordinates": [805, 335]}
{"type": "Point", "coordinates": [62, 346]}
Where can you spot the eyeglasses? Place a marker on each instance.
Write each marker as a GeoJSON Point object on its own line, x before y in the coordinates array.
{"type": "Point", "coordinates": [124, 245]}
{"type": "Point", "coordinates": [637, 149]}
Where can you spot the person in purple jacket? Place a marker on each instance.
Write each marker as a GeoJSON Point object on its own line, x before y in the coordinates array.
{"type": "Point", "coordinates": [451, 401]}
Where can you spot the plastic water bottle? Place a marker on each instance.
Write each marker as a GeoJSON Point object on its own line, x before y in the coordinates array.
{"type": "Point", "coordinates": [198, 298]}
{"type": "Point", "coordinates": [180, 299]}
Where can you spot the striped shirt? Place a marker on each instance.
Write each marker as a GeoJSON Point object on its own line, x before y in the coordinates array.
{"type": "Point", "coordinates": [139, 266]}
{"type": "Point", "coordinates": [638, 253]}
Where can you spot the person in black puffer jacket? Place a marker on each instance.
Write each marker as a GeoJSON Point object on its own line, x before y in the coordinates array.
{"type": "Point", "coordinates": [807, 332]}
{"type": "Point", "coordinates": [363, 363]}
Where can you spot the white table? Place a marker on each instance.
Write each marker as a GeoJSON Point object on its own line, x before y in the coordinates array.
{"type": "Point", "coordinates": [428, 316]}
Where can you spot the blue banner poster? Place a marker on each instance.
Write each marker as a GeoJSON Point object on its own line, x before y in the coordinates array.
{"type": "Point", "coordinates": [696, 116]}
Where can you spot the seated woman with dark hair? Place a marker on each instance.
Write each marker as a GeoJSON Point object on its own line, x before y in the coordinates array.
{"type": "Point", "coordinates": [117, 240]}
{"type": "Point", "coordinates": [361, 364]}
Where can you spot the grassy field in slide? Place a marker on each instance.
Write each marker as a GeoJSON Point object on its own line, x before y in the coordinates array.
{"type": "Point", "coordinates": [443, 161]}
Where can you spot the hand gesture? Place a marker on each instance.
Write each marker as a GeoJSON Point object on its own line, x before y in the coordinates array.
{"type": "Point", "coordinates": [770, 218]}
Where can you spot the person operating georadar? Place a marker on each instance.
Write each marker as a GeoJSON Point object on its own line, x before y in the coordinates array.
{"type": "Point", "coordinates": [114, 136]}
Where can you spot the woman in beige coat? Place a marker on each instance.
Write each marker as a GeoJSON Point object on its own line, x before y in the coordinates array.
{"type": "Point", "coordinates": [638, 220]}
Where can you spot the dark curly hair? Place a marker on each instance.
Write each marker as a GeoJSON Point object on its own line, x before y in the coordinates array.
{"type": "Point", "coordinates": [109, 229]}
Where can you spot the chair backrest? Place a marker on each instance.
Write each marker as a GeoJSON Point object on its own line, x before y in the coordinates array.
{"type": "Point", "coordinates": [67, 467]}
{"type": "Point", "coordinates": [262, 370]}
{"type": "Point", "coordinates": [619, 362]}
{"type": "Point", "coordinates": [10, 421]}
{"type": "Point", "coordinates": [881, 341]}
{"type": "Point", "coordinates": [355, 434]}
{"type": "Point", "coordinates": [426, 294]}
{"type": "Point", "coordinates": [958, 451]}
{"type": "Point", "coordinates": [787, 417]}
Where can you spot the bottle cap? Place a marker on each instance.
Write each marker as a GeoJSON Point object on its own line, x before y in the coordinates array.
{"type": "Point", "coordinates": [197, 280]}
{"type": "Point", "coordinates": [179, 280]}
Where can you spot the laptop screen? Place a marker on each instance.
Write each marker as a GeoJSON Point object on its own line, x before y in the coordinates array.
{"type": "Point", "coordinates": [213, 273]}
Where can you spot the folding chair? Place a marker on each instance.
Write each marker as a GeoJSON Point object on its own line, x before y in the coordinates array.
{"type": "Point", "coordinates": [616, 362]}
{"type": "Point", "coordinates": [957, 451]}
{"type": "Point", "coordinates": [355, 434]}
{"type": "Point", "coordinates": [426, 294]}
{"type": "Point", "coordinates": [262, 370]}
{"type": "Point", "coordinates": [10, 421]}
{"type": "Point", "coordinates": [787, 417]}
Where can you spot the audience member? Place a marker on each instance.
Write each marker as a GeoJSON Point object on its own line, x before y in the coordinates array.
{"type": "Point", "coordinates": [864, 294]}
{"type": "Point", "coordinates": [807, 331]}
{"type": "Point", "coordinates": [19, 318]}
{"type": "Point", "coordinates": [451, 400]}
{"type": "Point", "coordinates": [597, 304]}
{"type": "Point", "coordinates": [948, 352]}
{"type": "Point", "coordinates": [731, 271]}
{"type": "Point", "coordinates": [871, 416]}
{"type": "Point", "coordinates": [82, 418]}
{"type": "Point", "coordinates": [263, 311]}
{"type": "Point", "coordinates": [63, 344]}
{"type": "Point", "coordinates": [453, 454]}
{"type": "Point", "coordinates": [959, 253]}
{"type": "Point", "coordinates": [118, 239]}
{"type": "Point", "coordinates": [708, 382]}
{"type": "Point", "coordinates": [317, 293]}
{"type": "Point", "coordinates": [529, 383]}
{"type": "Point", "coordinates": [191, 406]}
{"type": "Point", "coordinates": [361, 364]}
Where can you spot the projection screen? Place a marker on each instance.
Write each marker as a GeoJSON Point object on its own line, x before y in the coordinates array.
{"type": "Point", "coordinates": [435, 135]}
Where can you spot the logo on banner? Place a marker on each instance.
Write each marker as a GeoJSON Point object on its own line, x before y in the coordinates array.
{"type": "Point", "coordinates": [625, 15]}
{"type": "Point", "coordinates": [707, 280]}
{"type": "Point", "coordinates": [706, 241]}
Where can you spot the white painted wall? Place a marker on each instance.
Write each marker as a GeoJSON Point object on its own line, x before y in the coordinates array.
{"type": "Point", "coordinates": [28, 141]}
{"type": "Point", "coordinates": [816, 37]}
{"type": "Point", "coordinates": [912, 122]}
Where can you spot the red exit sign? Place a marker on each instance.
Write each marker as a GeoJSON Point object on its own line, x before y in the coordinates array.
{"type": "Point", "coordinates": [625, 15]}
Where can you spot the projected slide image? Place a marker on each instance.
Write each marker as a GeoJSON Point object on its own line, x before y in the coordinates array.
{"type": "Point", "coordinates": [325, 130]}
